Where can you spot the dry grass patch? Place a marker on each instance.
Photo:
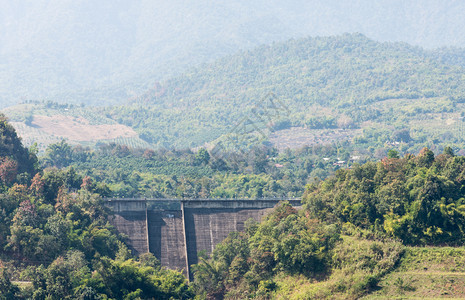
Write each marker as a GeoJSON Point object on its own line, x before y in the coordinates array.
{"type": "Point", "coordinates": [297, 137]}
{"type": "Point", "coordinates": [79, 129]}
{"type": "Point", "coordinates": [426, 273]}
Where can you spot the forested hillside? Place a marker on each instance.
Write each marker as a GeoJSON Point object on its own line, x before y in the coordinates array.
{"type": "Point", "coordinates": [109, 51]}
{"type": "Point", "coordinates": [56, 241]}
{"type": "Point", "coordinates": [262, 172]}
{"type": "Point", "coordinates": [234, 99]}
{"type": "Point", "coordinates": [340, 83]}
{"type": "Point", "coordinates": [347, 91]}
{"type": "Point", "coordinates": [350, 235]}
{"type": "Point", "coordinates": [352, 238]}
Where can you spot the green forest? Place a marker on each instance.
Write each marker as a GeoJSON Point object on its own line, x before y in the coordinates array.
{"type": "Point", "coordinates": [224, 150]}
{"type": "Point", "coordinates": [104, 53]}
{"type": "Point", "coordinates": [354, 229]}
{"type": "Point", "coordinates": [318, 91]}
{"type": "Point", "coordinates": [56, 240]}
{"type": "Point", "coordinates": [360, 225]}
{"type": "Point", "coordinates": [342, 82]}
{"type": "Point", "coordinates": [382, 182]}
{"type": "Point", "coordinates": [261, 172]}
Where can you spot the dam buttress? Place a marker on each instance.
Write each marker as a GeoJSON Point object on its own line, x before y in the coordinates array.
{"type": "Point", "coordinates": [176, 230]}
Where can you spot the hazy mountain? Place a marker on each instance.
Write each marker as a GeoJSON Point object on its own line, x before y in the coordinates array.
{"type": "Point", "coordinates": [340, 82]}
{"type": "Point", "coordinates": [104, 51]}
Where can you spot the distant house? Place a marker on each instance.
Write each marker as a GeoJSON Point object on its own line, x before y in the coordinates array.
{"type": "Point", "coordinates": [339, 163]}
{"type": "Point", "coordinates": [278, 165]}
{"type": "Point", "coordinates": [392, 143]}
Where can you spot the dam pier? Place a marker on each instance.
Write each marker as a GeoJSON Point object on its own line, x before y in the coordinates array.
{"type": "Point", "coordinates": [175, 230]}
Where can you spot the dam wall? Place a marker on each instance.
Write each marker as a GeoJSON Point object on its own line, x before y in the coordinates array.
{"type": "Point", "coordinates": [133, 224]}
{"type": "Point", "coordinates": [175, 231]}
{"type": "Point", "coordinates": [207, 227]}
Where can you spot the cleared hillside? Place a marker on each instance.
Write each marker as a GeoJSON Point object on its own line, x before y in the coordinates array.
{"type": "Point", "coordinates": [45, 124]}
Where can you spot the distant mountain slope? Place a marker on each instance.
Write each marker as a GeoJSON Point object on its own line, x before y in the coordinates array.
{"type": "Point", "coordinates": [335, 82]}
{"type": "Point", "coordinates": [48, 123]}
{"type": "Point", "coordinates": [105, 51]}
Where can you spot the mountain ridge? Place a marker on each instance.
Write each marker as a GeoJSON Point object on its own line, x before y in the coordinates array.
{"type": "Point", "coordinates": [106, 52]}
{"type": "Point", "coordinates": [321, 80]}
{"type": "Point", "coordinates": [345, 87]}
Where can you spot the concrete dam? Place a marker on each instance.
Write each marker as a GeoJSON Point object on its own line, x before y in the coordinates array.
{"type": "Point", "coordinates": [176, 230]}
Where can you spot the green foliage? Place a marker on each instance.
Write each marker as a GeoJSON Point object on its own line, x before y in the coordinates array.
{"type": "Point", "coordinates": [245, 263]}
{"type": "Point", "coordinates": [291, 256]}
{"type": "Point", "coordinates": [14, 158]}
{"type": "Point", "coordinates": [348, 87]}
{"type": "Point", "coordinates": [360, 260]}
{"type": "Point", "coordinates": [202, 157]}
{"type": "Point", "coordinates": [417, 199]}
{"type": "Point", "coordinates": [7, 289]}
{"type": "Point", "coordinates": [261, 172]}
{"type": "Point", "coordinates": [323, 83]}
{"type": "Point", "coordinates": [58, 227]}
{"type": "Point", "coordinates": [58, 155]}
{"type": "Point", "coordinates": [43, 233]}
{"type": "Point", "coordinates": [72, 277]}
{"type": "Point", "coordinates": [129, 280]}
{"type": "Point", "coordinates": [393, 154]}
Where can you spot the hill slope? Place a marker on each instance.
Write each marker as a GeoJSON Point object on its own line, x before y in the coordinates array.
{"type": "Point", "coordinates": [425, 273]}
{"type": "Point", "coordinates": [300, 92]}
{"type": "Point", "coordinates": [354, 235]}
{"type": "Point", "coordinates": [111, 50]}
{"type": "Point", "coordinates": [343, 82]}
{"type": "Point", "coordinates": [48, 123]}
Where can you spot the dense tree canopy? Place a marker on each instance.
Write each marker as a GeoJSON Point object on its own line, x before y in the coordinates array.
{"type": "Point", "coordinates": [321, 83]}
{"type": "Point", "coordinates": [55, 229]}
{"type": "Point", "coordinates": [418, 199]}
{"type": "Point", "coordinates": [119, 171]}
{"type": "Point", "coordinates": [285, 241]}
{"type": "Point", "coordinates": [15, 160]}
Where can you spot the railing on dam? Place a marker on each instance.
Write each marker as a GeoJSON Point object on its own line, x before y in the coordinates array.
{"type": "Point", "coordinates": [138, 204]}
{"type": "Point", "coordinates": [175, 230]}
{"type": "Point", "coordinates": [203, 199]}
